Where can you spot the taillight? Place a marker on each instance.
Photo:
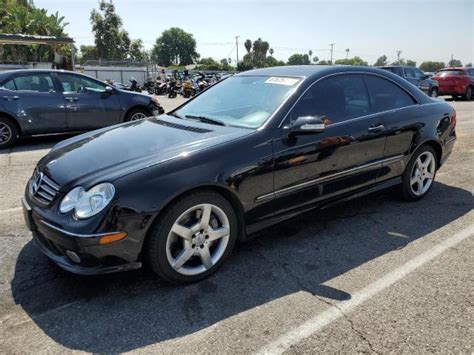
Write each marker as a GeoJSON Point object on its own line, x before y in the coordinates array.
{"type": "Point", "coordinates": [453, 119]}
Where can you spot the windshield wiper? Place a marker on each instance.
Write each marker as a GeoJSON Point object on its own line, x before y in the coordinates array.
{"type": "Point", "coordinates": [174, 114]}
{"type": "Point", "coordinates": [207, 120]}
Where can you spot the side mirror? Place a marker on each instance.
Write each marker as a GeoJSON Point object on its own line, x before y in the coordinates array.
{"type": "Point", "coordinates": [109, 90]}
{"type": "Point", "coordinates": [307, 125]}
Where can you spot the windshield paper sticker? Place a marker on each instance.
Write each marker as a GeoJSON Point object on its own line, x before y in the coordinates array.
{"type": "Point", "coordinates": [279, 80]}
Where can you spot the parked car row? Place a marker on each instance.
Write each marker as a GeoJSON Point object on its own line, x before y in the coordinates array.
{"type": "Point", "coordinates": [457, 82]}
{"type": "Point", "coordinates": [49, 101]}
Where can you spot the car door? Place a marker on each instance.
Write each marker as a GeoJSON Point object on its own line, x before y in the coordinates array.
{"type": "Point", "coordinates": [35, 101]}
{"type": "Point", "coordinates": [399, 111]}
{"type": "Point", "coordinates": [89, 105]}
{"type": "Point", "coordinates": [344, 157]}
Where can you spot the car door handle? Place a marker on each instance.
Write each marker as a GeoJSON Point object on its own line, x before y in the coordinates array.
{"type": "Point", "coordinates": [376, 128]}
{"type": "Point", "coordinates": [10, 98]}
{"type": "Point", "coordinates": [71, 99]}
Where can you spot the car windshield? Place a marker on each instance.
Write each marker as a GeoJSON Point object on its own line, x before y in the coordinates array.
{"type": "Point", "coordinates": [242, 101]}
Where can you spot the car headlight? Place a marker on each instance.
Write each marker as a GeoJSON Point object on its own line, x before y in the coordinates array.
{"type": "Point", "coordinates": [87, 203]}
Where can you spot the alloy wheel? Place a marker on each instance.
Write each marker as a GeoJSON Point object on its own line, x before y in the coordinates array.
{"type": "Point", "coordinates": [137, 116]}
{"type": "Point", "coordinates": [198, 239]}
{"type": "Point", "coordinates": [5, 133]}
{"type": "Point", "coordinates": [422, 174]}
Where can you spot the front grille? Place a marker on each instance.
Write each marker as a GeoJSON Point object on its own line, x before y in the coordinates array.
{"type": "Point", "coordinates": [43, 188]}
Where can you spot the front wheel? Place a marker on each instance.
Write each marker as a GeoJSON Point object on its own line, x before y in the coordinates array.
{"type": "Point", "coordinates": [193, 238]}
{"type": "Point", "coordinates": [137, 114]}
{"type": "Point", "coordinates": [8, 133]}
{"type": "Point", "coordinates": [419, 174]}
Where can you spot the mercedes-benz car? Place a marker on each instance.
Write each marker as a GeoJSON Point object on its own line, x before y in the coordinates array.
{"type": "Point", "coordinates": [178, 191]}
{"type": "Point", "coordinates": [35, 101]}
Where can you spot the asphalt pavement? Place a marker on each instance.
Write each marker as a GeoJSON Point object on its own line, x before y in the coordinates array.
{"type": "Point", "coordinates": [374, 275]}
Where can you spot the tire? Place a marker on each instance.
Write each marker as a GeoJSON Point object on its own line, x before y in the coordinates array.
{"type": "Point", "coordinates": [163, 248]}
{"type": "Point", "coordinates": [415, 185]}
{"type": "Point", "coordinates": [434, 92]}
{"type": "Point", "coordinates": [468, 95]}
{"type": "Point", "coordinates": [137, 114]}
{"type": "Point", "coordinates": [455, 97]}
{"type": "Point", "coordinates": [8, 133]}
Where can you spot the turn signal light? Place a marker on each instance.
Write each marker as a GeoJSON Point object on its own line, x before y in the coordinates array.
{"type": "Point", "coordinates": [112, 238]}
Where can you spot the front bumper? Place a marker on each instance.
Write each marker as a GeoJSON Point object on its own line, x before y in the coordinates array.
{"type": "Point", "coordinates": [78, 253]}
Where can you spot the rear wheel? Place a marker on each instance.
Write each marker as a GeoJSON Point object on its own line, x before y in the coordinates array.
{"type": "Point", "coordinates": [468, 95]}
{"type": "Point", "coordinates": [193, 238]}
{"type": "Point", "coordinates": [8, 133]}
{"type": "Point", "coordinates": [137, 114]}
{"type": "Point", "coordinates": [419, 174]}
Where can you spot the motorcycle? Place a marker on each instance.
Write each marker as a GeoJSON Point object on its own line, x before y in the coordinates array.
{"type": "Point", "coordinates": [174, 88]}
{"type": "Point", "coordinates": [188, 89]}
{"type": "Point", "coordinates": [133, 86]}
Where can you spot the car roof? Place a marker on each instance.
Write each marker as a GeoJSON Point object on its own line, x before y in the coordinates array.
{"type": "Point", "coordinates": [306, 71]}
{"type": "Point", "coordinates": [26, 71]}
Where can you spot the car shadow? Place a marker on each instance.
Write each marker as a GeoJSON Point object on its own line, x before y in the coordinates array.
{"type": "Point", "coordinates": [123, 312]}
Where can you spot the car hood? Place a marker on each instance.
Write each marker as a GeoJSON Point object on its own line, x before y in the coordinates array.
{"type": "Point", "coordinates": [116, 151]}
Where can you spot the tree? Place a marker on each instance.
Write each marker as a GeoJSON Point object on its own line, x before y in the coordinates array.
{"type": "Point", "coordinates": [455, 63]}
{"type": "Point", "coordinates": [324, 62]}
{"type": "Point", "coordinates": [351, 61]}
{"type": "Point", "coordinates": [411, 63]}
{"type": "Point", "coordinates": [347, 53]}
{"type": "Point", "coordinates": [271, 52]}
{"type": "Point", "coordinates": [273, 62]}
{"type": "Point", "coordinates": [209, 64]}
{"type": "Point", "coordinates": [431, 66]}
{"type": "Point", "coordinates": [469, 65]}
{"type": "Point", "coordinates": [175, 46]}
{"type": "Point", "coordinates": [381, 61]}
{"type": "Point", "coordinates": [298, 59]}
{"type": "Point", "coordinates": [248, 45]}
{"type": "Point", "coordinates": [111, 40]}
{"type": "Point", "coordinates": [136, 52]}
{"type": "Point", "coordinates": [23, 17]}
{"type": "Point", "coordinates": [88, 53]}
{"type": "Point", "coordinates": [315, 60]}
{"type": "Point", "coordinates": [310, 53]}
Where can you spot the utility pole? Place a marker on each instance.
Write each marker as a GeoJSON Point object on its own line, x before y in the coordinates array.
{"type": "Point", "coordinates": [399, 52]}
{"type": "Point", "coordinates": [237, 47]}
{"type": "Point", "coordinates": [332, 50]}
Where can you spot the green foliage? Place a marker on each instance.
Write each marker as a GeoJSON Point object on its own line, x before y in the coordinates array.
{"type": "Point", "coordinates": [351, 61]}
{"type": "Point", "coordinates": [381, 61]}
{"type": "Point", "coordinates": [431, 66]}
{"type": "Point", "coordinates": [256, 55]}
{"type": "Point", "coordinates": [315, 60]}
{"type": "Point", "coordinates": [411, 63]}
{"type": "Point", "coordinates": [324, 62]}
{"type": "Point", "coordinates": [21, 17]}
{"type": "Point", "coordinates": [137, 52]}
{"type": "Point", "coordinates": [209, 64]}
{"type": "Point", "coordinates": [469, 65]}
{"type": "Point", "coordinates": [273, 62]}
{"type": "Point", "coordinates": [111, 40]}
{"type": "Point", "coordinates": [87, 53]}
{"type": "Point", "coordinates": [298, 59]}
{"type": "Point", "coordinates": [455, 63]}
{"type": "Point", "coordinates": [175, 46]}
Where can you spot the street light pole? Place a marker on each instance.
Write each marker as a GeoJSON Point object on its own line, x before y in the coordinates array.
{"type": "Point", "coordinates": [332, 50]}
{"type": "Point", "coordinates": [237, 47]}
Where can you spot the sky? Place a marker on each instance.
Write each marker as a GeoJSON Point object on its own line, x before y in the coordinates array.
{"type": "Point", "coordinates": [421, 29]}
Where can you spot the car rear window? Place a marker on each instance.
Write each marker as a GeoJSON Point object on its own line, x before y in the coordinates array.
{"type": "Point", "coordinates": [394, 70]}
{"type": "Point", "coordinates": [450, 72]}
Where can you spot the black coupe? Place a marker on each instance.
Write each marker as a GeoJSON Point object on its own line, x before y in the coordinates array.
{"type": "Point", "coordinates": [178, 190]}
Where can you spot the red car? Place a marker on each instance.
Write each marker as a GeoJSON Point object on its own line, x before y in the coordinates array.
{"type": "Point", "coordinates": [456, 82]}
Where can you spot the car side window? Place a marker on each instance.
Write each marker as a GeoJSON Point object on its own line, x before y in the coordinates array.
{"type": "Point", "coordinates": [471, 72]}
{"type": "Point", "coordinates": [410, 73]}
{"type": "Point", "coordinates": [418, 73]}
{"type": "Point", "coordinates": [8, 85]}
{"type": "Point", "coordinates": [385, 95]}
{"type": "Point", "coordinates": [79, 84]}
{"type": "Point", "coordinates": [335, 99]}
{"type": "Point", "coordinates": [34, 82]}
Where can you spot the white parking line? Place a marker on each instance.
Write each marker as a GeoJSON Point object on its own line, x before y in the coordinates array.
{"type": "Point", "coordinates": [323, 319]}
{"type": "Point", "coordinates": [9, 210]}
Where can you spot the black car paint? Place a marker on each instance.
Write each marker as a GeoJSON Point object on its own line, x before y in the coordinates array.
{"type": "Point", "coordinates": [252, 168]}
{"type": "Point", "coordinates": [60, 111]}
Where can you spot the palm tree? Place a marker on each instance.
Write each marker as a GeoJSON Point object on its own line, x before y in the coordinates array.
{"type": "Point", "coordinates": [248, 45]}
{"type": "Point", "coordinates": [271, 52]}
{"type": "Point", "coordinates": [310, 53]}
{"type": "Point", "coordinates": [347, 53]}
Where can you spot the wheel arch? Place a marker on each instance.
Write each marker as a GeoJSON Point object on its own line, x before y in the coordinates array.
{"type": "Point", "coordinates": [437, 148]}
{"type": "Point", "coordinates": [228, 194]}
{"type": "Point", "coordinates": [14, 120]}
{"type": "Point", "coordinates": [134, 107]}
